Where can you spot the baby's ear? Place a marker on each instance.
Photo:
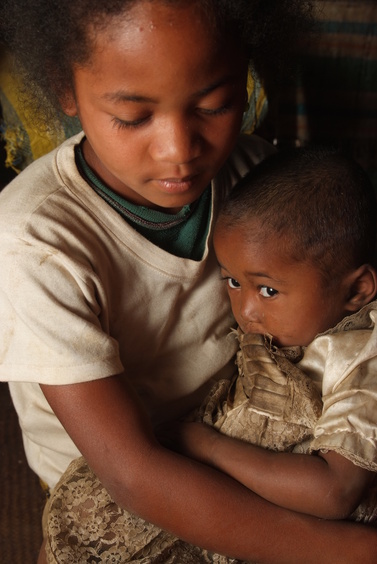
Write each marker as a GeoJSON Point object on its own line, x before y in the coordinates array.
{"type": "Point", "coordinates": [363, 287]}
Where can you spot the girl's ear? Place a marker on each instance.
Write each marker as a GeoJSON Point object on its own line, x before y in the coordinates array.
{"type": "Point", "coordinates": [362, 287]}
{"type": "Point", "coordinates": [68, 103]}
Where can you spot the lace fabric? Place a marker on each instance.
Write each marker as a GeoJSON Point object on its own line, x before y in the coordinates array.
{"type": "Point", "coordinates": [86, 525]}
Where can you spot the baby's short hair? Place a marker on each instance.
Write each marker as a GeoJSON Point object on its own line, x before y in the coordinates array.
{"type": "Point", "coordinates": [319, 202]}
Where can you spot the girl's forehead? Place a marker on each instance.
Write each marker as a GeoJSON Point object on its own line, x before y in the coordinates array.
{"type": "Point", "coordinates": [158, 45]}
{"type": "Point", "coordinates": [149, 21]}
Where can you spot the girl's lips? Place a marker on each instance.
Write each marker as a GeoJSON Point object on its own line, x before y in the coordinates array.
{"type": "Point", "coordinates": [176, 185]}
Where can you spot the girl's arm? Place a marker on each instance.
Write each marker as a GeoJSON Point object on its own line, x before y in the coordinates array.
{"type": "Point", "coordinates": [199, 504]}
{"type": "Point", "coordinates": [326, 485]}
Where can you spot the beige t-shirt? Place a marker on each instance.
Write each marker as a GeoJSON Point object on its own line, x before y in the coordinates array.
{"type": "Point", "coordinates": [83, 296]}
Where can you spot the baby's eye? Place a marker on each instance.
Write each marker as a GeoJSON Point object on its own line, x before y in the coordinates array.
{"type": "Point", "coordinates": [232, 283]}
{"type": "Point", "coordinates": [267, 292]}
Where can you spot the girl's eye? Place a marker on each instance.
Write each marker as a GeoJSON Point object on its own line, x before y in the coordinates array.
{"type": "Point", "coordinates": [267, 292]}
{"type": "Point", "coordinates": [232, 283]}
{"type": "Point", "coordinates": [216, 111]}
{"type": "Point", "coordinates": [133, 124]}
{"type": "Point", "coordinates": [125, 124]}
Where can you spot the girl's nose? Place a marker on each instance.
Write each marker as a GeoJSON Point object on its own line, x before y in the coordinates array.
{"type": "Point", "coordinates": [176, 142]}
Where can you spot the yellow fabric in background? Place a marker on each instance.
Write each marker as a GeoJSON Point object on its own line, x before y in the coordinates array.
{"type": "Point", "coordinates": [24, 142]}
{"type": "Point", "coordinates": [258, 105]}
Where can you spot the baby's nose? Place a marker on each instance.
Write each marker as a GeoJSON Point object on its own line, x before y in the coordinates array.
{"type": "Point", "coordinates": [249, 310]}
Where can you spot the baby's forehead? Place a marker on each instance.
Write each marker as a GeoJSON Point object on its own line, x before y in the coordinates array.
{"type": "Point", "coordinates": [250, 225]}
{"type": "Point", "coordinates": [255, 235]}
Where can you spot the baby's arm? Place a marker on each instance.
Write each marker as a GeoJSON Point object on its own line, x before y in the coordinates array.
{"type": "Point", "coordinates": [326, 485]}
{"type": "Point", "coordinates": [197, 503]}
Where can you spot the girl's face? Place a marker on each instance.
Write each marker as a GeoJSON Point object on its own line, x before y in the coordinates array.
{"type": "Point", "coordinates": [161, 103]}
{"type": "Point", "coordinates": [270, 293]}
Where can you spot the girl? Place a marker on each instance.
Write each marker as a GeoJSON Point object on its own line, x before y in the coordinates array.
{"type": "Point", "coordinates": [113, 317]}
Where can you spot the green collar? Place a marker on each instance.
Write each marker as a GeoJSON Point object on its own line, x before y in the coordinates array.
{"type": "Point", "coordinates": [182, 234]}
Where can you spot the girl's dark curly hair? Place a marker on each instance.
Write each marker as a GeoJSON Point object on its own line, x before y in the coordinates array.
{"type": "Point", "coordinates": [48, 37]}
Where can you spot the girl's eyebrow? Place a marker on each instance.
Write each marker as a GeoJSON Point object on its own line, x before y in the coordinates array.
{"type": "Point", "coordinates": [218, 84]}
{"type": "Point", "coordinates": [124, 96]}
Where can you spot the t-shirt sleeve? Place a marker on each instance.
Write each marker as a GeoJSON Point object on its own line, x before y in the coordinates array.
{"type": "Point", "coordinates": [53, 312]}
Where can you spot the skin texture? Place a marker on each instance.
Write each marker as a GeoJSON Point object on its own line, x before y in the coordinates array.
{"type": "Point", "coordinates": [174, 70]}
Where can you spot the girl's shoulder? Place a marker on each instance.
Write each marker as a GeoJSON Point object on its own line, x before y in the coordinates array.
{"type": "Point", "coordinates": [41, 179]}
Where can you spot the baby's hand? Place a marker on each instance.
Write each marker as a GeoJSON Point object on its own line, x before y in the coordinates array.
{"type": "Point", "coordinates": [195, 440]}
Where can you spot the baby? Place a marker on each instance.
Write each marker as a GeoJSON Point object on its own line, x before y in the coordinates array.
{"type": "Point", "coordinates": [295, 242]}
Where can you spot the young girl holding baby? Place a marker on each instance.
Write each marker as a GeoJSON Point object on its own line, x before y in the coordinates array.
{"type": "Point", "coordinates": [114, 318]}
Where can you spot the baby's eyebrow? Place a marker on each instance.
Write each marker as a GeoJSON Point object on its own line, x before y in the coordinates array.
{"type": "Point", "coordinates": [264, 275]}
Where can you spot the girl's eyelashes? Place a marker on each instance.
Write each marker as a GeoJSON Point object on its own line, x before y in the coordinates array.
{"type": "Point", "coordinates": [216, 111]}
{"type": "Point", "coordinates": [267, 291]}
{"type": "Point", "coordinates": [128, 124]}
{"type": "Point", "coordinates": [133, 124]}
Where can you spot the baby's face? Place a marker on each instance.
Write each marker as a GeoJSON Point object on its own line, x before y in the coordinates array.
{"type": "Point", "coordinates": [272, 294]}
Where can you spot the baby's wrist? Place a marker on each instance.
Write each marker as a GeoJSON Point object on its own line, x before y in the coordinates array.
{"type": "Point", "coordinates": [208, 444]}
